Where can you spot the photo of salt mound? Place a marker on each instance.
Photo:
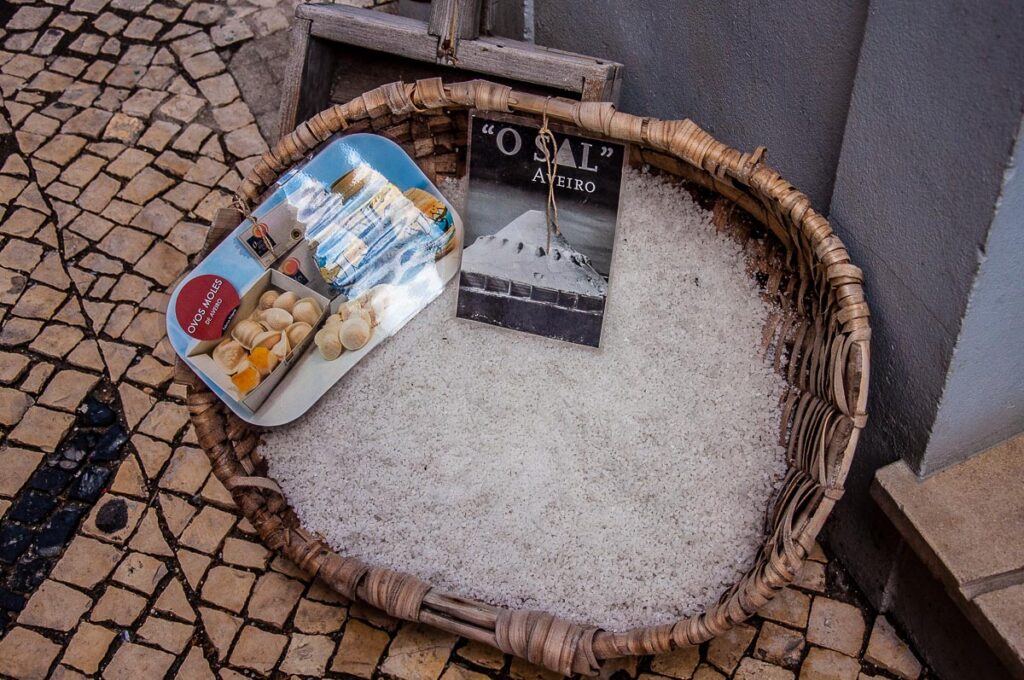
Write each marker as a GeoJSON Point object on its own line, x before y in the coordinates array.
{"type": "Point", "coordinates": [619, 486]}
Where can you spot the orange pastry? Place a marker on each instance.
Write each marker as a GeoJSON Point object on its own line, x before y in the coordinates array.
{"type": "Point", "coordinates": [246, 380]}
{"type": "Point", "coordinates": [263, 360]}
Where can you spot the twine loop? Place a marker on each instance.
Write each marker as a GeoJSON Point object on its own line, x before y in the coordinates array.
{"type": "Point", "coordinates": [447, 46]}
{"type": "Point", "coordinates": [241, 206]}
{"type": "Point", "coordinates": [550, 146]}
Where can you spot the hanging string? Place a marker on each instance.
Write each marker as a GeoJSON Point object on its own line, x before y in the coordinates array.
{"type": "Point", "coordinates": [448, 42]}
{"type": "Point", "coordinates": [243, 208]}
{"type": "Point", "coordinates": [550, 146]}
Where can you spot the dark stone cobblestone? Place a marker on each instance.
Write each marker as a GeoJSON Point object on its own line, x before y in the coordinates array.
{"type": "Point", "coordinates": [14, 540]}
{"type": "Point", "coordinates": [52, 538]}
{"type": "Point", "coordinates": [43, 517]}
{"type": "Point", "coordinates": [113, 516]}
{"type": "Point", "coordinates": [90, 484]}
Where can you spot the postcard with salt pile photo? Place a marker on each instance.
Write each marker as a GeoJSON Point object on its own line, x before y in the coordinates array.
{"type": "Point", "coordinates": [540, 226]}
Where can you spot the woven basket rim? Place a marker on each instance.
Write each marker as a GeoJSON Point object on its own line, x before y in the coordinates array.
{"type": "Point", "coordinates": [825, 416]}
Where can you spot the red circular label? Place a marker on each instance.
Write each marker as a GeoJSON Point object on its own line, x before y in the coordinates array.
{"type": "Point", "coordinates": [290, 266]}
{"type": "Point", "coordinates": [205, 306]}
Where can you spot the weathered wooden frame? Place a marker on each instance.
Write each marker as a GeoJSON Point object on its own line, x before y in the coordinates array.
{"type": "Point", "coordinates": [319, 29]}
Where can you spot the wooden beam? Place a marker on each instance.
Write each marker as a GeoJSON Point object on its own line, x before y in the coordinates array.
{"type": "Point", "coordinates": [371, 30]}
{"type": "Point", "coordinates": [538, 65]}
{"type": "Point", "coordinates": [587, 76]}
{"type": "Point", "coordinates": [293, 76]}
{"type": "Point", "coordinates": [464, 13]}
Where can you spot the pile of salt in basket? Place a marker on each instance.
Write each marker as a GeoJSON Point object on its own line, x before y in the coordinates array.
{"type": "Point", "coordinates": [819, 341]}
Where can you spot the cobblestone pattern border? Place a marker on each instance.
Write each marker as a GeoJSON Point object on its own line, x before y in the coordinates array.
{"type": "Point", "coordinates": [45, 513]}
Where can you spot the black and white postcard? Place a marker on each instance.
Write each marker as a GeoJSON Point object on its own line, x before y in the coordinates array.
{"type": "Point", "coordinates": [518, 270]}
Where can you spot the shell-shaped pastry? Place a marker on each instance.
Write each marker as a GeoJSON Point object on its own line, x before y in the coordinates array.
{"type": "Point", "coordinates": [267, 339]}
{"type": "Point", "coordinates": [307, 310]}
{"type": "Point", "coordinates": [383, 294]}
{"type": "Point", "coordinates": [359, 307]}
{"type": "Point", "coordinates": [333, 320]}
{"type": "Point", "coordinates": [354, 333]}
{"type": "Point", "coordinates": [348, 309]}
{"type": "Point", "coordinates": [246, 331]}
{"type": "Point", "coordinates": [361, 313]}
{"type": "Point", "coordinates": [328, 342]}
{"type": "Point", "coordinates": [286, 301]}
{"type": "Point", "coordinates": [276, 319]}
{"type": "Point", "coordinates": [379, 299]}
{"type": "Point", "coordinates": [282, 347]}
{"type": "Point", "coordinates": [246, 380]}
{"type": "Point", "coordinates": [229, 355]}
{"type": "Point", "coordinates": [369, 314]}
{"type": "Point", "coordinates": [297, 332]}
{"type": "Point", "coordinates": [263, 360]}
{"type": "Point", "coordinates": [268, 298]}
{"type": "Point", "coordinates": [275, 341]}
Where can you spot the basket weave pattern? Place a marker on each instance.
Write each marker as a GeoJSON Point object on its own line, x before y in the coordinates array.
{"type": "Point", "coordinates": [820, 340]}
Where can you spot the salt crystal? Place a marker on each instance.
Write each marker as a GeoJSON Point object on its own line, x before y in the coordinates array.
{"type": "Point", "coordinates": [619, 487]}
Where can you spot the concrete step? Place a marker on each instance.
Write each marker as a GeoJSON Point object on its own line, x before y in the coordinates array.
{"type": "Point", "coordinates": [966, 524]}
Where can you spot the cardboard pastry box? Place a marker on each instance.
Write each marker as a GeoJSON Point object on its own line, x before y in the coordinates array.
{"type": "Point", "coordinates": [201, 360]}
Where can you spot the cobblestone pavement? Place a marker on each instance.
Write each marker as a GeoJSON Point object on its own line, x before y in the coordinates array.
{"type": "Point", "coordinates": [123, 131]}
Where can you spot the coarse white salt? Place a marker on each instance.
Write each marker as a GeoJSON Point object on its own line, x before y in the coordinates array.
{"type": "Point", "coordinates": [618, 487]}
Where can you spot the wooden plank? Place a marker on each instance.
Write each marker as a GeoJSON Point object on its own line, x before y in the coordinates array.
{"type": "Point", "coordinates": [372, 30]}
{"type": "Point", "coordinates": [510, 59]}
{"type": "Point", "coordinates": [309, 62]}
{"type": "Point", "coordinates": [315, 96]}
{"type": "Point", "coordinates": [357, 70]}
{"type": "Point", "coordinates": [386, 32]}
{"type": "Point", "coordinates": [603, 89]}
{"type": "Point", "coordinates": [291, 85]}
{"type": "Point", "coordinates": [532, 63]}
{"type": "Point", "coordinates": [465, 13]}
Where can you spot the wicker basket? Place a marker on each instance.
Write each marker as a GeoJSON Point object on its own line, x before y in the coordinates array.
{"type": "Point", "coordinates": [819, 342]}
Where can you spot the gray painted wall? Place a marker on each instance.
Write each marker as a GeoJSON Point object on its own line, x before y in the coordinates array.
{"type": "Point", "coordinates": [935, 109]}
{"type": "Point", "coordinates": [983, 402]}
{"type": "Point", "coordinates": [777, 74]}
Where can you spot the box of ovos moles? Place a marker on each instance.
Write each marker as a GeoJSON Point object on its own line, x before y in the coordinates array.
{"type": "Point", "coordinates": [272, 326]}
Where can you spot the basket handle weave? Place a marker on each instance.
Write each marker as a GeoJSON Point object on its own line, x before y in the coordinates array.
{"type": "Point", "coordinates": [682, 138]}
{"type": "Point", "coordinates": [833, 367]}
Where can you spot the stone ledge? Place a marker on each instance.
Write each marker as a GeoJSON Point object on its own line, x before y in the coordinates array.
{"type": "Point", "coordinates": [966, 524]}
